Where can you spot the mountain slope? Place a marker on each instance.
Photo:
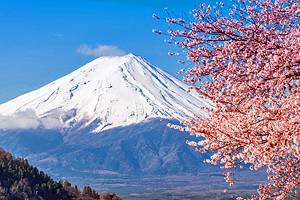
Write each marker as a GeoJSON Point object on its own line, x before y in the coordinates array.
{"type": "Point", "coordinates": [106, 93]}
{"type": "Point", "coordinates": [109, 117]}
{"type": "Point", "coordinates": [147, 148]}
{"type": "Point", "coordinates": [19, 180]}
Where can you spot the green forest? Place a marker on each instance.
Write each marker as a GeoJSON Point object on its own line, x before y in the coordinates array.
{"type": "Point", "coordinates": [21, 181]}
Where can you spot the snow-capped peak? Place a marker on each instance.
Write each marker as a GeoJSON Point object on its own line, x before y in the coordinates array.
{"type": "Point", "coordinates": [109, 92]}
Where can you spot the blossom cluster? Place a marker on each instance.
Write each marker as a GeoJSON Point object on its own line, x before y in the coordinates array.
{"type": "Point", "coordinates": [247, 62]}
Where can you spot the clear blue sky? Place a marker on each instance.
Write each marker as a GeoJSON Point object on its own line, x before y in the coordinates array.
{"type": "Point", "coordinates": [39, 39]}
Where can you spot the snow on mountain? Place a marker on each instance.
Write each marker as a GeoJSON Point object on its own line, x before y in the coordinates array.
{"type": "Point", "coordinates": [109, 92]}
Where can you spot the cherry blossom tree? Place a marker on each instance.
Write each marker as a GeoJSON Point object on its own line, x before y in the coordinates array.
{"type": "Point", "coordinates": [247, 62]}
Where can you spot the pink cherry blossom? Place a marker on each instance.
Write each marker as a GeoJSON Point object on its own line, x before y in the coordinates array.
{"type": "Point", "coordinates": [247, 62]}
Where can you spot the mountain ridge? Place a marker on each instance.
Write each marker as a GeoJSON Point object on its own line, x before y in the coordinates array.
{"type": "Point", "coordinates": [127, 100]}
{"type": "Point", "coordinates": [108, 92]}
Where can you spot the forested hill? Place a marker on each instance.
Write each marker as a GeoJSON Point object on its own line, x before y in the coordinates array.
{"type": "Point", "coordinates": [19, 181]}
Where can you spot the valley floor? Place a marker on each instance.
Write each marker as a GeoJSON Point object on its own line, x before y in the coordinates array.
{"type": "Point", "coordinates": [204, 186]}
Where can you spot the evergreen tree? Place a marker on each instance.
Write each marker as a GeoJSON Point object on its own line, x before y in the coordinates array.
{"type": "Point", "coordinates": [21, 181]}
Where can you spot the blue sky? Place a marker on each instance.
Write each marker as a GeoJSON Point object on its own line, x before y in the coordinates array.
{"type": "Point", "coordinates": [39, 39]}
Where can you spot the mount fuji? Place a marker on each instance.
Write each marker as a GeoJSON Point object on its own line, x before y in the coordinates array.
{"type": "Point", "coordinates": [109, 117]}
{"type": "Point", "coordinates": [106, 93]}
